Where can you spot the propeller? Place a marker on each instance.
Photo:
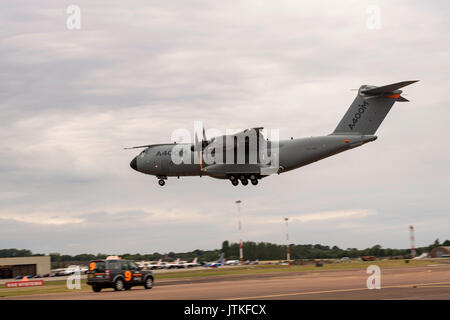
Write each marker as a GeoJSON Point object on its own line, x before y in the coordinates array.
{"type": "Point", "coordinates": [201, 146]}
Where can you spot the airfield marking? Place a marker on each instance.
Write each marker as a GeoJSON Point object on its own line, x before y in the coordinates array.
{"type": "Point", "coordinates": [425, 285]}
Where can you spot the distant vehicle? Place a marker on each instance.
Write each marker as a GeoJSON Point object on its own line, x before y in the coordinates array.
{"type": "Point", "coordinates": [192, 264]}
{"type": "Point", "coordinates": [254, 262]}
{"type": "Point", "coordinates": [345, 259]}
{"type": "Point", "coordinates": [232, 262]}
{"type": "Point", "coordinates": [157, 266]}
{"type": "Point", "coordinates": [118, 274]}
{"type": "Point", "coordinates": [217, 263]}
{"type": "Point", "coordinates": [368, 258]}
{"type": "Point", "coordinates": [445, 256]}
{"type": "Point", "coordinates": [422, 256]}
{"type": "Point", "coordinates": [37, 276]}
{"type": "Point", "coordinates": [174, 265]}
{"type": "Point", "coordinates": [74, 268]}
{"type": "Point", "coordinates": [58, 272]}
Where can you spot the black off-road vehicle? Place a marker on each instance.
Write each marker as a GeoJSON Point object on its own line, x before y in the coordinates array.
{"type": "Point", "coordinates": [118, 274]}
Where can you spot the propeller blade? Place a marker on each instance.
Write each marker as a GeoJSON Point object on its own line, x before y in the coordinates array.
{"type": "Point", "coordinates": [204, 134]}
{"type": "Point", "coordinates": [199, 151]}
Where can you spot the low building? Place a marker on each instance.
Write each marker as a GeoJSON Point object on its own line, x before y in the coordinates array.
{"type": "Point", "coordinates": [438, 252]}
{"type": "Point", "coordinates": [24, 266]}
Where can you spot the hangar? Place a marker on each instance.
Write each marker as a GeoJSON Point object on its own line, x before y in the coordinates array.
{"type": "Point", "coordinates": [439, 252]}
{"type": "Point", "coordinates": [24, 266]}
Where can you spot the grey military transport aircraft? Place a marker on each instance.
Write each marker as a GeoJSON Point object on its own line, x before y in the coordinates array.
{"type": "Point", "coordinates": [247, 155]}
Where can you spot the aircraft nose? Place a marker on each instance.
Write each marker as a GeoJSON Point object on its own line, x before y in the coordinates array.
{"type": "Point", "coordinates": [133, 164]}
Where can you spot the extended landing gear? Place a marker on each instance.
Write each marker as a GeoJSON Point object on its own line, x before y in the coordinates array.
{"type": "Point", "coordinates": [244, 180]}
{"type": "Point", "coordinates": [161, 181]}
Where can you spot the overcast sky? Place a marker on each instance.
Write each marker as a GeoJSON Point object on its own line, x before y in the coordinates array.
{"type": "Point", "coordinates": [71, 100]}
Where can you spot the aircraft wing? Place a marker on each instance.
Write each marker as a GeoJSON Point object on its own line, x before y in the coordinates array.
{"type": "Point", "coordinates": [247, 131]}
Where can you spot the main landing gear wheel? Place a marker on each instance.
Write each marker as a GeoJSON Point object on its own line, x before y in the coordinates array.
{"type": "Point", "coordinates": [254, 182]}
{"type": "Point", "coordinates": [161, 182]}
{"type": "Point", "coordinates": [235, 182]}
{"type": "Point", "coordinates": [244, 182]}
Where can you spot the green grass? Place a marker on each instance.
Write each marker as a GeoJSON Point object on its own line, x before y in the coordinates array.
{"type": "Point", "coordinates": [60, 286]}
{"type": "Point", "coordinates": [261, 269]}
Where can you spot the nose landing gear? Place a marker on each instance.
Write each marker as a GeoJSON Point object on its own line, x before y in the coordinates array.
{"type": "Point", "coordinates": [161, 181]}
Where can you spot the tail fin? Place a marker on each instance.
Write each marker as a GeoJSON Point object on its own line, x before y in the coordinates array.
{"type": "Point", "coordinates": [222, 258]}
{"type": "Point", "coordinates": [195, 260]}
{"type": "Point", "coordinates": [370, 107]}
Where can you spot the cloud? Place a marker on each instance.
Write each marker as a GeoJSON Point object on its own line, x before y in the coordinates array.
{"type": "Point", "coordinates": [333, 215]}
{"type": "Point", "coordinates": [41, 219]}
{"type": "Point", "coordinates": [71, 100]}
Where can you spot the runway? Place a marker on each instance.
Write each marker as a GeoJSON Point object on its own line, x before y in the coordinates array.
{"type": "Point", "coordinates": [430, 282]}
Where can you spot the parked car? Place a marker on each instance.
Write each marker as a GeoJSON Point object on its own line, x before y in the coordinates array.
{"type": "Point", "coordinates": [368, 258]}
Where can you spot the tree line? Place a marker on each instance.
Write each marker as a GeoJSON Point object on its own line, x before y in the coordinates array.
{"type": "Point", "coordinates": [270, 251]}
{"type": "Point", "coordinates": [252, 251]}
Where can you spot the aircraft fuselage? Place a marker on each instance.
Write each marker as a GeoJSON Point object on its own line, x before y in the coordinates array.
{"type": "Point", "coordinates": [293, 153]}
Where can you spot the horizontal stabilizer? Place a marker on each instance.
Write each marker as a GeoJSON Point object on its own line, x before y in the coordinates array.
{"type": "Point", "coordinates": [370, 107]}
{"type": "Point", "coordinates": [387, 88]}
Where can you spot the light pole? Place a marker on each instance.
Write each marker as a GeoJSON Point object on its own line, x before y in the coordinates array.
{"type": "Point", "coordinates": [241, 250]}
{"type": "Point", "coordinates": [288, 253]}
{"type": "Point", "coordinates": [411, 237]}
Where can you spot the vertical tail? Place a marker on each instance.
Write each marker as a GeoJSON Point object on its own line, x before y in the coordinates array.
{"type": "Point", "coordinates": [370, 107]}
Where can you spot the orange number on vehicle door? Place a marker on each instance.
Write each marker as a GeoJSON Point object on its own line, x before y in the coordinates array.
{"type": "Point", "coordinates": [92, 266]}
{"type": "Point", "coordinates": [127, 275]}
